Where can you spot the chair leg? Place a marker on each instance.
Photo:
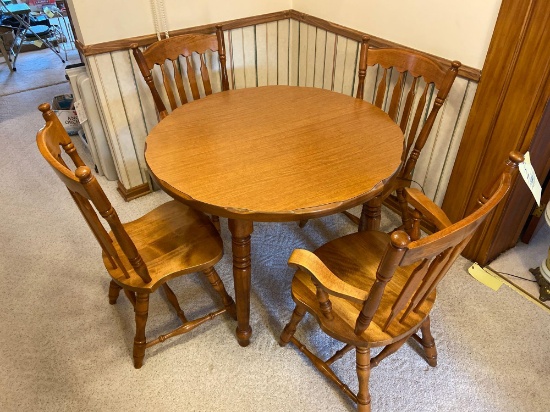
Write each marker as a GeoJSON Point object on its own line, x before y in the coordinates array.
{"type": "Point", "coordinates": [216, 221]}
{"type": "Point", "coordinates": [302, 223]}
{"type": "Point", "coordinates": [290, 328]}
{"type": "Point", "coordinates": [428, 343]}
{"type": "Point", "coordinates": [217, 284]}
{"type": "Point", "coordinates": [371, 215]}
{"type": "Point", "coordinates": [363, 375]}
{"type": "Point", "coordinates": [141, 310]}
{"type": "Point", "coordinates": [114, 291]}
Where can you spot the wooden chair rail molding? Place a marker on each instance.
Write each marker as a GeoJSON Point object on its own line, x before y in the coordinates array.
{"type": "Point", "coordinates": [122, 44]}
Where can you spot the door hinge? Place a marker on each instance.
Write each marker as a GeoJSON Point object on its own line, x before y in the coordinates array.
{"type": "Point", "coordinates": [537, 212]}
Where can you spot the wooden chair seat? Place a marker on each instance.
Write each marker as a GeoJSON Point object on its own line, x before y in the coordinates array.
{"type": "Point", "coordinates": [173, 240]}
{"type": "Point", "coordinates": [362, 253]}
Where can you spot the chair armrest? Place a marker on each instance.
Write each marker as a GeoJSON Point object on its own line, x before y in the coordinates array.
{"type": "Point", "coordinates": [428, 208]}
{"type": "Point", "coordinates": [310, 263]}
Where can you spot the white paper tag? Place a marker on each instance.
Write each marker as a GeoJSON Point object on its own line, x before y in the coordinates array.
{"type": "Point", "coordinates": [528, 173]}
{"type": "Point", "coordinates": [37, 43]}
{"type": "Point", "coordinates": [81, 111]}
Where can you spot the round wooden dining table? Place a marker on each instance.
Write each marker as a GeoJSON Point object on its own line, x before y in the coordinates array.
{"type": "Point", "coordinates": [272, 154]}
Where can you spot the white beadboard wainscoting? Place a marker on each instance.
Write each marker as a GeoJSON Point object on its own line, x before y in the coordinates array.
{"type": "Point", "coordinates": [285, 52]}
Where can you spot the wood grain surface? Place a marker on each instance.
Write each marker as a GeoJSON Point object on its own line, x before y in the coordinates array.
{"type": "Point", "coordinates": [275, 153]}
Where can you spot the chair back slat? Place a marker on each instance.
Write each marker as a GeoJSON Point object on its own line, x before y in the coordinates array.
{"type": "Point", "coordinates": [408, 106]}
{"type": "Point", "coordinates": [192, 78]}
{"type": "Point", "coordinates": [396, 97]}
{"type": "Point", "coordinates": [178, 77]}
{"type": "Point", "coordinates": [381, 90]}
{"type": "Point", "coordinates": [192, 48]}
{"type": "Point", "coordinates": [432, 255]}
{"type": "Point", "coordinates": [418, 112]}
{"type": "Point", "coordinates": [166, 80]}
{"type": "Point", "coordinates": [412, 284]}
{"type": "Point", "coordinates": [84, 189]}
{"type": "Point", "coordinates": [436, 279]}
{"type": "Point", "coordinates": [205, 76]}
{"type": "Point", "coordinates": [434, 270]}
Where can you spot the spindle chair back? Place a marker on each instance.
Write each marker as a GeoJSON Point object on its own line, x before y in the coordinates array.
{"type": "Point", "coordinates": [411, 88]}
{"type": "Point", "coordinates": [371, 289]}
{"type": "Point", "coordinates": [183, 66]}
{"type": "Point", "coordinates": [170, 241]}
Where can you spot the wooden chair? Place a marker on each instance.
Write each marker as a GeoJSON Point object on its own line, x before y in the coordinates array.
{"type": "Point", "coordinates": [174, 55]}
{"type": "Point", "coordinates": [407, 80]}
{"type": "Point", "coordinates": [371, 289]}
{"type": "Point", "coordinates": [141, 256]}
{"type": "Point", "coordinates": [169, 54]}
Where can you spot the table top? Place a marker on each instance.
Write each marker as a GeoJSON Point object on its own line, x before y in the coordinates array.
{"type": "Point", "coordinates": [274, 153]}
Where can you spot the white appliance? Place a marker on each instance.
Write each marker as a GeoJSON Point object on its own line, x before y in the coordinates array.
{"type": "Point", "coordinates": [94, 133]}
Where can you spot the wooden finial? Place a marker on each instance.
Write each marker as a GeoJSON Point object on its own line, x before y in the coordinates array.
{"type": "Point", "coordinates": [516, 157]}
{"type": "Point", "coordinates": [83, 173]}
{"type": "Point", "coordinates": [47, 113]}
{"type": "Point", "coordinates": [400, 239]}
{"type": "Point", "coordinates": [44, 107]}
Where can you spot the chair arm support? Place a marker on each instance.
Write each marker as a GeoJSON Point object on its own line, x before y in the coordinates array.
{"type": "Point", "coordinates": [310, 263]}
{"type": "Point", "coordinates": [428, 208]}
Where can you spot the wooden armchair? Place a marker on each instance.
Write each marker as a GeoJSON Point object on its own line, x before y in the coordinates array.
{"type": "Point", "coordinates": [370, 289]}
{"type": "Point", "coordinates": [407, 82]}
{"type": "Point", "coordinates": [175, 56]}
{"type": "Point", "coordinates": [141, 256]}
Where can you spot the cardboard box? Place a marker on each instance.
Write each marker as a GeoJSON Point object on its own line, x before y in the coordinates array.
{"type": "Point", "coordinates": [63, 106]}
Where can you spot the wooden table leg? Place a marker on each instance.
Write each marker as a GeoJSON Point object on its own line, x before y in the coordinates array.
{"type": "Point", "coordinates": [240, 231]}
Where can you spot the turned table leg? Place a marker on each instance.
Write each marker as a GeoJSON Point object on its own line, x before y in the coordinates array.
{"type": "Point", "coordinates": [240, 231]}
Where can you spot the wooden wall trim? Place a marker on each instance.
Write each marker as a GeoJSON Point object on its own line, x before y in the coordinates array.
{"type": "Point", "coordinates": [466, 72]}
{"type": "Point", "coordinates": [133, 192]}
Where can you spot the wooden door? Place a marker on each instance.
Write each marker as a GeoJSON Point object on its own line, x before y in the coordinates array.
{"type": "Point", "coordinates": [506, 112]}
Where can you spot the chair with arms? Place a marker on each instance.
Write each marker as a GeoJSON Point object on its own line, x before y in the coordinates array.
{"type": "Point", "coordinates": [141, 256]}
{"type": "Point", "coordinates": [372, 289]}
{"type": "Point", "coordinates": [407, 80]}
{"type": "Point", "coordinates": [174, 55]}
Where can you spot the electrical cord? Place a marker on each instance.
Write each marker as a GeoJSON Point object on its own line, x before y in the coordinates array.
{"type": "Point", "coordinates": [515, 276]}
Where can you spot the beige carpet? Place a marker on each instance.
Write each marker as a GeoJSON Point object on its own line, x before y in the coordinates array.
{"type": "Point", "coordinates": [66, 349]}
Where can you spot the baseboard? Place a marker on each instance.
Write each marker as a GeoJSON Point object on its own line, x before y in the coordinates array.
{"type": "Point", "coordinates": [133, 192]}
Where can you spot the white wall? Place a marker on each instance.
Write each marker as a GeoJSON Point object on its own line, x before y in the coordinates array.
{"type": "Point", "coordinates": [457, 30]}
{"type": "Point", "coordinates": [99, 21]}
